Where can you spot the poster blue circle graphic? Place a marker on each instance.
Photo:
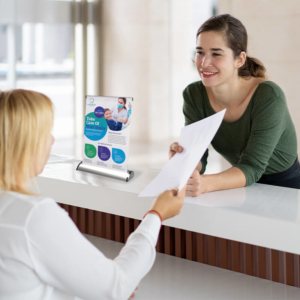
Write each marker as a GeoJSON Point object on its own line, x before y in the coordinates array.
{"type": "Point", "coordinates": [99, 112]}
{"type": "Point", "coordinates": [118, 156]}
{"type": "Point", "coordinates": [103, 153]}
{"type": "Point", "coordinates": [95, 129]}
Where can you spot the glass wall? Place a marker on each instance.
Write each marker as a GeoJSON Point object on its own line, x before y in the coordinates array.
{"type": "Point", "coordinates": [3, 56]}
{"type": "Point", "coordinates": [37, 53]}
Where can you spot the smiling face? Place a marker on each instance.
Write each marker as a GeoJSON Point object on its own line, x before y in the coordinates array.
{"type": "Point", "coordinates": [107, 115]}
{"type": "Point", "coordinates": [214, 60]}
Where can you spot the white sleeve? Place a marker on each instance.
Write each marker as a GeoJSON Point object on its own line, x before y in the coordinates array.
{"type": "Point", "coordinates": [65, 259]}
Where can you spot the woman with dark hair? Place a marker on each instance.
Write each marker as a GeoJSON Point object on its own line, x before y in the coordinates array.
{"type": "Point", "coordinates": [119, 112]}
{"type": "Point", "coordinates": [257, 136]}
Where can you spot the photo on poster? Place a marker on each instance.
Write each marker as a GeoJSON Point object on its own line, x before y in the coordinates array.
{"type": "Point", "coordinates": [107, 131]}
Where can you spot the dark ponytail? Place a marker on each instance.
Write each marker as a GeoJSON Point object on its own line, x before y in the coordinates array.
{"type": "Point", "coordinates": [237, 40]}
{"type": "Point", "coordinates": [252, 67]}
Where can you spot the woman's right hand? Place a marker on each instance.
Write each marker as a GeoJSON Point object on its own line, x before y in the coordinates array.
{"type": "Point", "coordinates": [174, 148]}
{"type": "Point", "coordinates": [169, 203]}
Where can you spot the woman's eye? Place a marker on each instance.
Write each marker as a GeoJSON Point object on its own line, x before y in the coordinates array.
{"type": "Point", "coordinates": [199, 52]}
{"type": "Point", "coordinates": [216, 54]}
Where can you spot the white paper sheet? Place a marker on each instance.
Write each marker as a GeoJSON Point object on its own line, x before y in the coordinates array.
{"type": "Point", "coordinates": [194, 139]}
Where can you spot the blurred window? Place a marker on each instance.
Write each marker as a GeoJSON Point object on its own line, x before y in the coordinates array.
{"type": "Point", "coordinates": [3, 56]}
{"type": "Point", "coordinates": [37, 53]}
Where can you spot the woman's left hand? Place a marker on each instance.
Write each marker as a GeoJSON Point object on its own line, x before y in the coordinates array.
{"type": "Point", "coordinates": [195, 185]}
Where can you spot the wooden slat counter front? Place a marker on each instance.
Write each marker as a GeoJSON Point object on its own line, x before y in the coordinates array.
{"type": "Point", "coordinates": [253, 230]}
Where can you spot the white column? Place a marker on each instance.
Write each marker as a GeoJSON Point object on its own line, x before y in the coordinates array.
{"type": "Point", "coordinates": [11, 56]}
{"type": "Point", "coordinates": [27, 43]}
{"type": "Point", "coordinates": [39, 43]}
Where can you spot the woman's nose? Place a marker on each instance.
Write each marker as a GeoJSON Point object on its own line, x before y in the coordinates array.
{"type": "Point", "coordinates": [205, 62]}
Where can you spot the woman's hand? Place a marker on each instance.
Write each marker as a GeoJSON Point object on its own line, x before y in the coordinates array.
{"type": "Point", "coordinates": [174, 148]}
{"type": "Point", "coordinates": [169, 203]}
{"type": "Point", "coordinates": [133, 294]}
{"type": "Point", "coordinates": [195, 185]}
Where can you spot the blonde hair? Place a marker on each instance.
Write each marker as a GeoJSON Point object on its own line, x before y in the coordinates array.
{"type": "Point", "coordinates": [26, 120]}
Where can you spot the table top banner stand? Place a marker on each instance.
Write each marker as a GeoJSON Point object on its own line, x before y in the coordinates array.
{"type": "Point", "coordinates": [106, 137]}
{"type": "Point", "coordinates": [104, 172]}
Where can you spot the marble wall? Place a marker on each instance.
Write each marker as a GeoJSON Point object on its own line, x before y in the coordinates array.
{"type": "Point", "coordinates": [274, 38]}
{"type": "Point", "coordinates": [147, 47]}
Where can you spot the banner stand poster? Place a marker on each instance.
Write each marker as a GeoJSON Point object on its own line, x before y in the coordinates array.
{"type": "Point", "coordinates": [106, 137]}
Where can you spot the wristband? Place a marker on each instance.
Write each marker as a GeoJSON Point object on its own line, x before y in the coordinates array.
{"type": "Point", "coordinates": [156, 213]}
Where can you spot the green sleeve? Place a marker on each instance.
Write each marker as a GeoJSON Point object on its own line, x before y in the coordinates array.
{"type": "Point", "coordinates": [192, 113]}
{"type": "Point", "coordinates": [268, 124]}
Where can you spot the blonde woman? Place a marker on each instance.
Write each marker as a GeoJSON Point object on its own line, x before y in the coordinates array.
{"type": "Point", "coordinates": [42, 253]}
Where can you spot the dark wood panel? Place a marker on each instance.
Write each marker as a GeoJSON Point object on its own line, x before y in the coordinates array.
{"type": "Point", "coordinates": [136, 224]}
{"type": "Point", "coordinates": [268, 264]}
{"type": "Point", "coordinates": [200, 247]}
{"type": "Point", "coordinates": [82, 219]}
{"type": "Point", "coordinates": [177, 242]}
{"type": "Point", "coordinates": [189, 245]}
{"type": "Point", "coordinates": [90, 222]}
{"type": "Point", "coordinates": [110, 227]}
{"type": "Point", "coordinates": [74, 214]}
{"type": "Point", "coordinates": [242, 258]}
{"type": "Point", "coordinates": [282, 267]}
{"type": "Point", "coordinates": [290, 276]}
{"type": "Point", "coordinates": [126, 228]}
{"type": "Point", "coordinates": [261, 262]}
{"type": "Point", "coordinates": [205, 249]}
{"type": "Point", "coordinates": [98, 226]}
{"type": "Point", "coordinates": [167, 241]}
{"type": "Point", "coordinates": [249, 259]}
{"type": "Point", "coordinates": [221, 253]}
{"type": "Point", "coordinates": [255, 261]}
{"type": "Point", "coordinates": [275, 265]}
{"type": "Point", "coordinates": [212, 251]}
{"type": "Point", "coordinates": [160, 241]}
{"type": "Point", "coordinates": [236, 256]}
{"type": "Point", "coordinates": [119, 229]}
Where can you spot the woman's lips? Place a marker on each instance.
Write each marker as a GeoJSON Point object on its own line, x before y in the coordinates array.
{"type": "Point", "coordinates": [209, 74]}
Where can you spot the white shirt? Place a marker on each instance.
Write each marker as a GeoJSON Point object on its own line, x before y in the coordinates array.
{"type": "Point", "coordinates": [44, 256]}
{"type": "Point", "coordinates": [116, 114]}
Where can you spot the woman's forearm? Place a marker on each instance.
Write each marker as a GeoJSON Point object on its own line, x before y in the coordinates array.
{"type": "Point", "coordinates": [229, 179]}
{"type": "Point", "coordinates": [199, 167]}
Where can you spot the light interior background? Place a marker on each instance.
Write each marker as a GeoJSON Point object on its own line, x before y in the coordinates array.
{"type": "Point", "coordinates": [135, 48]}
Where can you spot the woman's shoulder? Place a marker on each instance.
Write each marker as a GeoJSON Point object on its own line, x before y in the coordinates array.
{"type": "Point", "coordinates": [19, 206]}
{"type": "Point", "coordinates": [270, 90]}
{"type": "Point", "coordinates": [194, 87]}
{"type": "Point", "coordinates": [194, 92]}
{"type": "Point", "coordinates": [269, 98]}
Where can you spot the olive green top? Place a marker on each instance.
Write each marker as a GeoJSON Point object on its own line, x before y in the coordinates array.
{"type": "Point", "coordinates": [262, 141]}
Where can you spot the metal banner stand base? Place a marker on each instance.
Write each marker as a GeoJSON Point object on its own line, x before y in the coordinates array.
{"type": "Point", "coordinates": [124, 176]}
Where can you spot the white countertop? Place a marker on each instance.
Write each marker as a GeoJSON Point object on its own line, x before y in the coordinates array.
{"type": "Point", "coordinates": [175, 278]}
{"type": "Point", "coordinates": [261, 215]}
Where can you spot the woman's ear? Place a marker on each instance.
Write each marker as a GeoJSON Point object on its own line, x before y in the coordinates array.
{"type": "Point", "coordinates": [240, 60]}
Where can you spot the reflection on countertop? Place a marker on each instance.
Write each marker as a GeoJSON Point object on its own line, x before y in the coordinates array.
{"type": "Point", "coordinates": [258, 199]}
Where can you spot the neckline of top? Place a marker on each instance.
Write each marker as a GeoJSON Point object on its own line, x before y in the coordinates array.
{"type": "Point", "coordinates": [247, 108]}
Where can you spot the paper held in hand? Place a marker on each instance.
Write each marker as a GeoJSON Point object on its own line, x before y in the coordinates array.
{"type": "Point", "coordinates": [194, 139]}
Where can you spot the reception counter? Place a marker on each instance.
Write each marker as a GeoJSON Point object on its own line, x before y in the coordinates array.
{"type": "Point", "coordinates": [253, 230]}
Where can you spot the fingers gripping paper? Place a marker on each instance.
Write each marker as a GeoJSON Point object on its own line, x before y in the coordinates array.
{"type": "Point", "coordinates": [194, 139]}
